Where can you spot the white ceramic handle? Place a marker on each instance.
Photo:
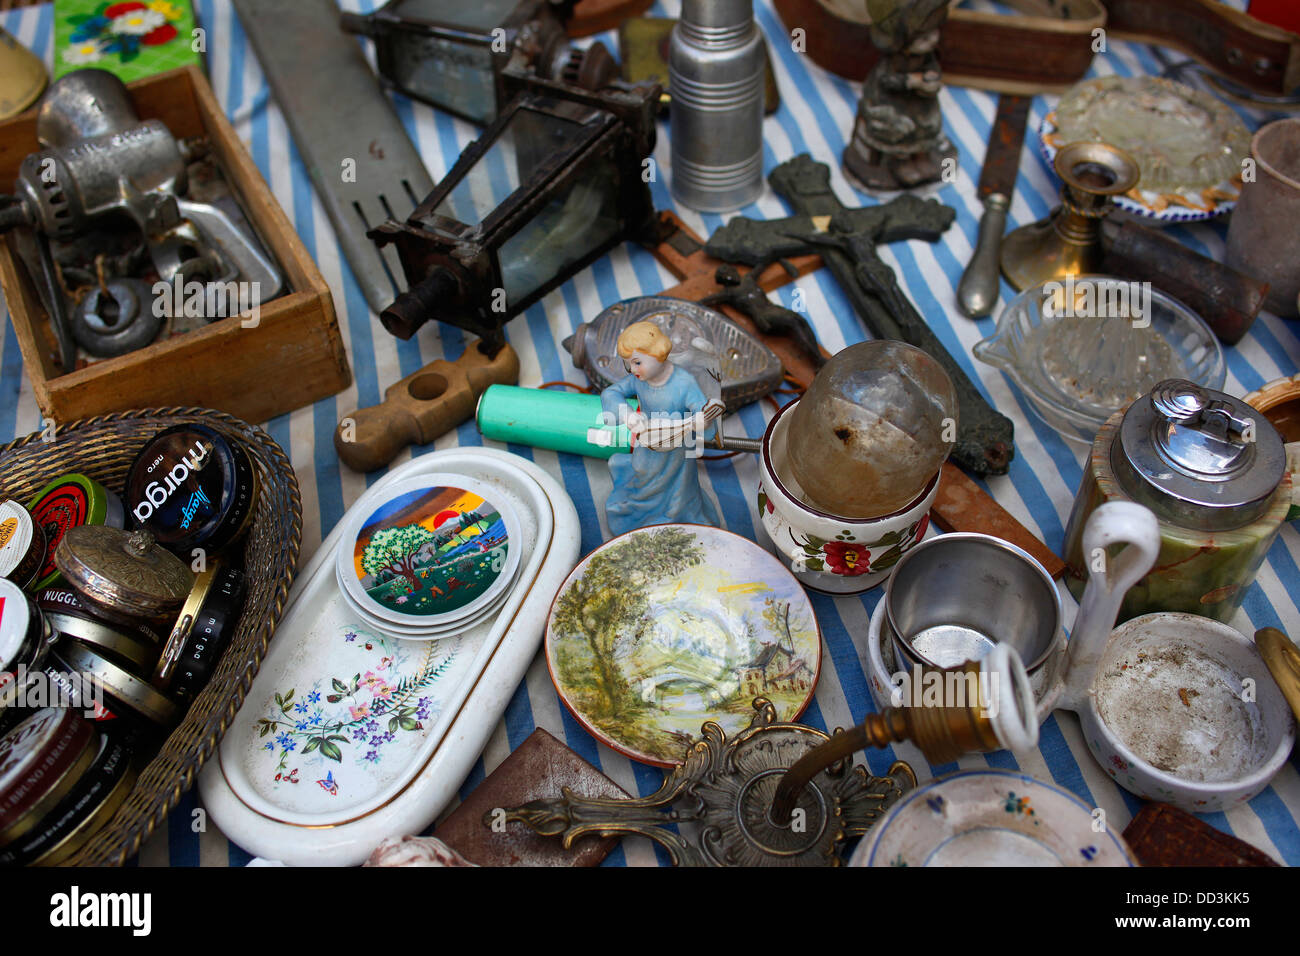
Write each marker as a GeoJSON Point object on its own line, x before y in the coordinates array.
{"type": "Point", "coordinates": [1016, 720]}
{"type": "Point", "coordinates": [1116, 522]}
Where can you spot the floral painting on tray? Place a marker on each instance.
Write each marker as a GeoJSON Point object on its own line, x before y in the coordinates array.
{"type": "Point", "coordinates": [337, 739]}
{"type": "Point", "coordinates": [132, 39]}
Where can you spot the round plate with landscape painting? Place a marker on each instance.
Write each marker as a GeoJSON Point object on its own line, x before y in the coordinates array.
{"type": "Point", "coordinates": [432, 552]}
{"type": "Point", "coordinates": [667, 627]}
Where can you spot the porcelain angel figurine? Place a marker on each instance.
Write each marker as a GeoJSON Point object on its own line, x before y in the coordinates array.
{"type": "Point", "coordinates": [659, 482]}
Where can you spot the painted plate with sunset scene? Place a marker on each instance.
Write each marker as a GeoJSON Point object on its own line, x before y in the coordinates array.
{"type": "Point", "coordinates": [432, 552]}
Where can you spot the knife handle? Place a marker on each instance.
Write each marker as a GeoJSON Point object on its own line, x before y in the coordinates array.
{"type": "Point", "coordinates": [977, 292]}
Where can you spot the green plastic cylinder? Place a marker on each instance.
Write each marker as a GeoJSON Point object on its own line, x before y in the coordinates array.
{"type": "Point", "coordinates": [560, 421]}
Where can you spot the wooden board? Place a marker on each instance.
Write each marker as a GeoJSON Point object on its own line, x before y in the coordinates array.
{"type": "Point", "coordinates": [296, 343]}
{"type": "Point", "coordinates": [540, 767]}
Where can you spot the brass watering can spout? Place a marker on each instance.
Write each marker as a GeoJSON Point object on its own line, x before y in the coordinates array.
{"type": "Point", "coordinates": [986, 705]}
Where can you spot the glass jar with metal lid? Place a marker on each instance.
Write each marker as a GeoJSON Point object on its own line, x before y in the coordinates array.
{"type": "Point", "coordinates": [1214, 471]}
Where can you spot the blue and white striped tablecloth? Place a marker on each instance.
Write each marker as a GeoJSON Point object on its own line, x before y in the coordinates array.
{"type": "Point", "coordinates": [816, 117]}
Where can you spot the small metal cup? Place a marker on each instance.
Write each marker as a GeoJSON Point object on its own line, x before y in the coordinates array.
{"type": "Point", "coordinates": [954, 597]}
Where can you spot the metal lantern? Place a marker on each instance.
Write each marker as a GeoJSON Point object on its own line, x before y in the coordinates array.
{"type": "Point", "coordinates": [452, 54]}
{"type": "Point", "coordinates": [555, 182]}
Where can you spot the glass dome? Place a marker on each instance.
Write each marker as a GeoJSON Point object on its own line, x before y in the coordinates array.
{"type": "Point", "coordinates": [872, 429]}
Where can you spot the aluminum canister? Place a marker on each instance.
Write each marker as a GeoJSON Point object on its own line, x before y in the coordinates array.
{"type": "Point", "coordinates": [716, 63]}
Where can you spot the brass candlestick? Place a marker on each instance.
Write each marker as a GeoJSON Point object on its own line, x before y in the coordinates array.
{"type": "Point", "coordinates": [1068, 242]}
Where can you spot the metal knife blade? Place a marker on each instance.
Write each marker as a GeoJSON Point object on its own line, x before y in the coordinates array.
{"type": "Point", "coordinates": [977, 292]}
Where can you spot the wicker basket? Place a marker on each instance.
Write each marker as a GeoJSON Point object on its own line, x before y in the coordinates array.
{"type": "Point", "coordinates": [103, 448]}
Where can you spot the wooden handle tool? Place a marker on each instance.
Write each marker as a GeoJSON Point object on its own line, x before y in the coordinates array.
{"type": "Point", "coordinates": [421, 407]}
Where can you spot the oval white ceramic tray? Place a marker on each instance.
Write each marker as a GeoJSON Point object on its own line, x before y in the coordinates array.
{"type": "Point", "coordinates": [349, 735]}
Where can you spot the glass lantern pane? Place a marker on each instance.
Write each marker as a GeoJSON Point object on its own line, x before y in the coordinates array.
{"type": "Point", "coordinates": [457, 76]}
{"type": "Point", "coordinates": [476, 15]}
{"type": "Point", "coordinates": [574, 223]}
{"type": "Point", "coordinates": [529, 139]}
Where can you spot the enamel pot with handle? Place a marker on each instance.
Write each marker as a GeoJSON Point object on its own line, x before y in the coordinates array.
{"type": "Point", "coordinates": [1161, 699]}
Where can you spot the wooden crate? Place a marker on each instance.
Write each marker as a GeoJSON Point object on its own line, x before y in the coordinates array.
{"type": "Point", "coordinates": [293, 357]}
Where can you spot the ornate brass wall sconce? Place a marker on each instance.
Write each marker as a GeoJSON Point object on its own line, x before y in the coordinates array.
{"type": "Point", "coordinates": [783, 794]}
{"type": "Point", "coordinates": [725, 787]}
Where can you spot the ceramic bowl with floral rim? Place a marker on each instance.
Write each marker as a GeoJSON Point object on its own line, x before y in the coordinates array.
{"type": "Point", "coordinates": [990, 818]}
{"type": "Point", "coordinates": [1173, 717]}
{"type": "Point", "coordinates": [664, 628]}
{"type": "Point", "coordinates": [826, 552]}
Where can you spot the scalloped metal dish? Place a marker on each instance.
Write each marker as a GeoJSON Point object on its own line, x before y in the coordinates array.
{"type": "Point", "coordinates": [749, 368]}
{"type": "Point", "coordinates": [349, 736]}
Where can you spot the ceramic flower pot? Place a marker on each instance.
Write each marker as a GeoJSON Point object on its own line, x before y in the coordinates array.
{"type": "Point", "coordinates": [827, 552]}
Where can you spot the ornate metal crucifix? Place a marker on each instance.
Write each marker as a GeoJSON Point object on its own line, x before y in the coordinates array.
{"type": "Point", "coordinates": [847, 240]}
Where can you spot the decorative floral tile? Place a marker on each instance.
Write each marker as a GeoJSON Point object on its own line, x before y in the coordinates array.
{"type": "Point", "coordinates": [133, 39]}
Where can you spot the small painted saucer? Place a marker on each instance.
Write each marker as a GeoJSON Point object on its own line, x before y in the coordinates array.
{"type": "Point", "coordinates": [431, 552]}
{"type": "Point", "coordinates": [424, 631]}
{"type": "Point", "coordinates": [666, 627]}
{"type": "Point", "coordinates": [990, 818]}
